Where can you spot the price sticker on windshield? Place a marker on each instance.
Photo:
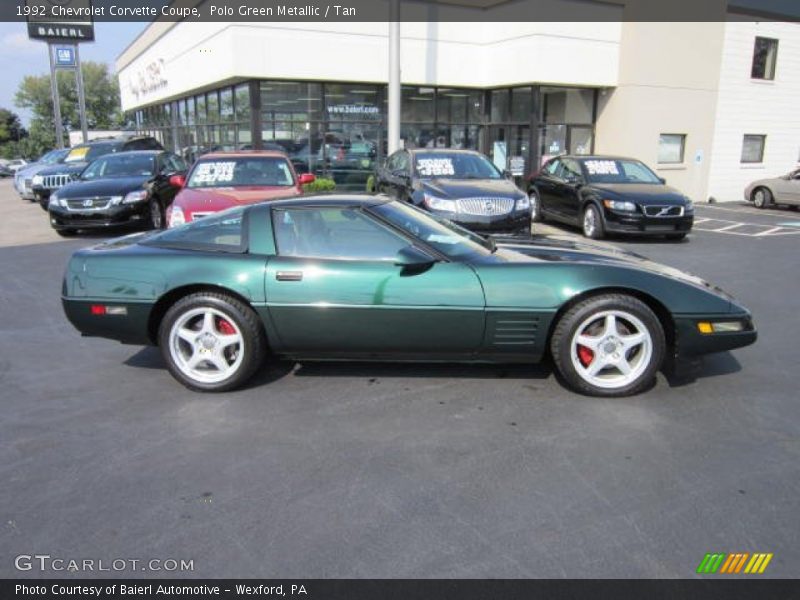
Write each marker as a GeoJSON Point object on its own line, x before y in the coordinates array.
{"type": "Point", "coordinates": [601, 167]}
{"type": "Point", "coordinates": [435, 167]}
{"type": "Point", "coordinates": [213, 172]}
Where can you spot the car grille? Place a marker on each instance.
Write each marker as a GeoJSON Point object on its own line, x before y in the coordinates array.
{"type": "Point", "coordinates": [52, 182]}
{"type": "Point", "coordinates": [97, 203]}
{"type": "Point", "coordinates": [486, 207]}
{"type": "Point", "coordinates": [663, 211]}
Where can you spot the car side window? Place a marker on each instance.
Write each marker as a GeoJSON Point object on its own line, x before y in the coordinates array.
{"type": "Point", "coordinates": [391, 162]}
{"type": "Point", "coordinates": [333, 233]}
{"type": "Point", "coordinates": [174, 163]}
{"type": "Point", "coordinates": [571, 170]}
{"type": "Point", "coordinates": [402, 162]}
{"type": "Point", "coordinates": [553, 167]}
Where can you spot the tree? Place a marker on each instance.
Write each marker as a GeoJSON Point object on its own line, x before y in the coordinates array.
{"type": "Point", "coordinates": [11, 129]}
{"type": "Point", "coordinates": [102, 101]}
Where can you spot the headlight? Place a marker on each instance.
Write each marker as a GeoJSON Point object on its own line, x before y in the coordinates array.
{"type": "Point", "coordinates": [55, 200]}
{"type": "Point", "coordinates": [175, 217]}
{"type": "Point", "coordinates": [523, 203]}
{"type": "Point", "coordinates": [132, 197]}
{"type": "Point", "coordinates": [622, 205]}
{"type": "Point", "coordinates": [440, 203]}
{"type": "Point", "coordinates": [689, 205]}
{"type": "Point", "coordinates": [38, 180]}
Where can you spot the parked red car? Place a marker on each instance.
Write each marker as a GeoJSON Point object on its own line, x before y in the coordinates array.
{"type": "Point", "coordinates": [221, 180]}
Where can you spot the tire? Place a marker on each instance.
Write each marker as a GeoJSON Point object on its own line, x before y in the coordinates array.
{"type": "Point", "coordinates": [676, 236]}
{"type": "Point", "coordinates": [536, 206]}
{"type": "Point", "coordinates": [204, 362]}
{"type": "Point", "coordinates": [633, 340]}
{"type": "Point", "coordinates": [156, 214]}
{"type": "Point", "coordinates": [44, 203]}
{"type": "Point", "coordinates": [66, 232]}
{"type": "Point", "coordinates": [592, 223]}
{"type": "Point", "coordinates": [762, 197]}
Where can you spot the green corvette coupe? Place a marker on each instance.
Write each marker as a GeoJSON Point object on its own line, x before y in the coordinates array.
{"type": "Point", "coordinates": [368, 278]}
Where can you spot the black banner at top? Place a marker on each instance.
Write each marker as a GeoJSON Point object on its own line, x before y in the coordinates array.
{"type": "Point", "coordinates": [80, 11]}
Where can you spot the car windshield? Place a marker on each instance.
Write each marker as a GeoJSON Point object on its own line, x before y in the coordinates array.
{"type": "Point", "coordinates": [236, 171]}
{"type": "Point", "coordinates": [447, 237]}
{"type": "Point", "coordinates": [88, 153]}
{"type": "Point", "coordinates": [54, 156]}
{"type": "Point", "coordinates": [612, 170]}
{"type": "Point", "coordinates": [121, 165]}
{"type": "Point", "coordinates": [454, 165]}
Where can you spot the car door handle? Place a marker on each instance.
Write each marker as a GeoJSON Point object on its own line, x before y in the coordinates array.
{"type": "Point", "coordinates": [289, 276]}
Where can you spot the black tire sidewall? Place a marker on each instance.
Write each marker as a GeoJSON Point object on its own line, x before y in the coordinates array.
{"type": "Point", "coordinates": [150, 213]}
{"type": "Point", "coordinates": [572, 319]}
{"type": "Point", "coordinates": [536, 217]}
{"type": "Point", "coordinates": [253, 342]}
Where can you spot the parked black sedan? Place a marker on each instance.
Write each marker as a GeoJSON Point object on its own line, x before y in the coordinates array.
{"type": "Point", "coordinates": [127, 188]}
{"type": "Point", "coordinates": [605, 194]}
{"type": "Point", "coordinates": [460, 185]}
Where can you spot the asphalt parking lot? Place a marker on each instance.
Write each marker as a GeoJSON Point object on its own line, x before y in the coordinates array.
{"type": "Point", "coordinates": [363, 470]}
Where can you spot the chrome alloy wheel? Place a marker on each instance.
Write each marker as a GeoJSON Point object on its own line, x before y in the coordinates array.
{"type": "Point", "coordinates": [533, 197]}
{"type": "Point", "coordinates": [611, 349]}
{"type": "Point", "coordinates": [155, 215]}
{"type": "Point", "coordinates": [760, 198]}
{"type": "Point", "coordinates": [206, 345]}
{"type": "Point", "coordinates": [589, 222]}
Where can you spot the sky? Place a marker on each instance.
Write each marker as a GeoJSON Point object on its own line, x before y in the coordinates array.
{"type": "Point", "coordinates": [20, 57]}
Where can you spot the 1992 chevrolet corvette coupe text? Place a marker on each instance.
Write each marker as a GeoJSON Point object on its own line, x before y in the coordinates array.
{"type": "Point", "coordinates": [368, 278]}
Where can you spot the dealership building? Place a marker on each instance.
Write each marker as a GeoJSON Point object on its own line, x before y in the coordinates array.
{"type": "Point", "coordinates": [710, 106]}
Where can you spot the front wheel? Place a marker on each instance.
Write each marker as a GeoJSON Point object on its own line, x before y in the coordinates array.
{"type": "Point", "coordinates": [762, 198]}
{"type": "Point", "coordinates": [676, 237]}
{"type": "Point", "coordinates": [211, 342]}
{"type": "Point", "coordinates": [609, 345]}
{"type": "Point", "coordinates": [593, 223]}
{"type": "Point", "coordinates": [536, 206]}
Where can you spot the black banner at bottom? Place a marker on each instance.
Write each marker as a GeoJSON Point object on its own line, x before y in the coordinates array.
{"type": "Point", "coordinates": [405, 589]}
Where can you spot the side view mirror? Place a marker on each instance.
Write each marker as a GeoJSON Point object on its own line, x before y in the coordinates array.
{"type": "Point", "coordinates": [411, 256]}
{"type": "Point", "coordinates": [507, 174]}
{"type": "Point", "coordinates": [574, 180]}
{"type": "Point", "coordinates": [306, 178]}
{"type": "Point", "coordinates": [662, 180]}
{"type": "Point", "coordinates": [178, 180]}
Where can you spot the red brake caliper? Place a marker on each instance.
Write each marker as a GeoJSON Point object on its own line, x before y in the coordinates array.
{"type": "Point", "coordinates": [225, 328]}
{"type": "Point", "coordinates": [585, 355]}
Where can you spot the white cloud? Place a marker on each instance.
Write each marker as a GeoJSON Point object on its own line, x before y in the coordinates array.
{"type": "Point", "coordinates": [18, 42]}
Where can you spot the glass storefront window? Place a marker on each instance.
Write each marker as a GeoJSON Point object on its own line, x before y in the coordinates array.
{"type": "Point", "coordinates": [521, 104]}
{"type": "Point", "coordinates": [242, 93]}
{"type": "Point", "coordinates": [190, 111]}
{"type": "Point", "coordinates": [200, 104]}
{"type": "Point", "coordinates": [564, 105]}
{"type": "Point", "coordinates": [352, 102]}
{"type": "Point", "coordinates": [417, 104]}
{"type": "Point", "coordinates": [226, 104]}
{"type": "Point", "coordinates": [499, 104]}
{"type": "Point", "coordinates": [212, 107]}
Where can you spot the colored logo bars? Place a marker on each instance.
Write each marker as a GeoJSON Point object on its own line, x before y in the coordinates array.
{"type": "Point", "coordinates": [733, 563]}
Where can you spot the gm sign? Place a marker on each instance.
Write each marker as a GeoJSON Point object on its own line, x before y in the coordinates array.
{"type": "Point", "coordinates": [51, 24]}
{"type": "Point", "coordinates": [65, 56]}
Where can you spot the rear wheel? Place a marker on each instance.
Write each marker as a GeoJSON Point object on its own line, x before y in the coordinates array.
{"type": "Point", "coordinates": [609, 345]}
{"type": "Point", "coordinates": [762, 198]}
{"type": "Point", "coordinates": [592, 223]}
{"type": "Point", "coordinates": [536, 206]}
{"type": "Point", "coordinates": [211, 342]}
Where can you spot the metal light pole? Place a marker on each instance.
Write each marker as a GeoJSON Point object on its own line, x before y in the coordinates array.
{"type": "Point", "coordinates": [81, 96]}
{"type": "Point", "coordinates": [56, 102]}
{"type": "Point", "coordinates": [394, 76]}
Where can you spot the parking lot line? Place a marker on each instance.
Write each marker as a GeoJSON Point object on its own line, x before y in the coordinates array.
{"type": "Point", "coordinates": [756, 230]}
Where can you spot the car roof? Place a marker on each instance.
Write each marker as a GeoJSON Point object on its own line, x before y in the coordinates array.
{"type": "Point", "coordinates": [331, 200]}
{"type": "Point", "coordinates": [447, 150]}
{"type": "Point", "coordinates": [595, 157]}
{"type": "Point", "coordinates": [243, 153]}
{"type": "Point", "coordinates": [134, 152]}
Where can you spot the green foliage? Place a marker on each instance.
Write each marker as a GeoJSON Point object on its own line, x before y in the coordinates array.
{"type": "Point", "coordinates": [321, 184]}
{"type": "Point", "coordinates": [102, 103]}
{"type": "Point", "coordinates": [371, 184]}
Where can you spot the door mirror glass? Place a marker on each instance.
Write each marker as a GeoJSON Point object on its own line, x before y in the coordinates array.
{"type": "Point", "coordinates": [410, 256]}
{"type": "Point", "coordinates": [306, 178]}
{"type": "Point", "coordinates": [177, 180]}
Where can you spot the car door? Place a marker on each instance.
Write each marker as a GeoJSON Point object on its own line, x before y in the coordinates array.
{"type": "Point", "coordinates": [397, 175]}
{"type": "Point", "coordinates": [547, 186]}
{"type": "Point", "coordinates": [787, 190]}
{"type": "Point", "coordinates": [167, 164]}
{"type": "Point", "coordinates": [571, 179]}
{"type": "Point", "coordinates": [333, 290]}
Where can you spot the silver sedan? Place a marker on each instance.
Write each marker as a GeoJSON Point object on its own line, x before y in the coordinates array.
{"type": "Point", "coordinates": [778, 190]}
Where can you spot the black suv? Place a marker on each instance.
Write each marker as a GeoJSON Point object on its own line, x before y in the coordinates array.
{"type": "Point", "coordinates": [46, 181]}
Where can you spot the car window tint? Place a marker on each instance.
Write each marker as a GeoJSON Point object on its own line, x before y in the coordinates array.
{"type": "Point", "coordinates": [335, 233]}
{"type": "Point", "coordinates": [552, 167]}
{"type": "Point", "coordinates": [571, 169]}
{"type": "Point", "coordinates": [222, 232]}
